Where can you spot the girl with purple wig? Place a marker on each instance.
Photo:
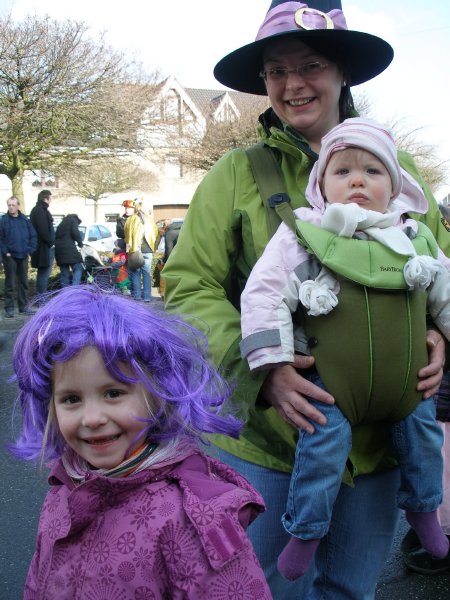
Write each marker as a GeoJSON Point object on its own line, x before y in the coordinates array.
{"type": "Point", "coordinates": [117, 398]}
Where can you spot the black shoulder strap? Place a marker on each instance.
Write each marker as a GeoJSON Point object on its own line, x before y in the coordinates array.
{"type": "Point", "coordinates": [271, 186]}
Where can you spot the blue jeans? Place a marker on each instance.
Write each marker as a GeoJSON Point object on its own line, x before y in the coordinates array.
{"type": "Point", "coordinates": [16, 271]}
{"type": "Point", "coordinates": [144, 272]}
{"type": "Point", "coordinates": [320, 461]}
{"type": "Point", "coordinates": [316, 478]}
{"type": "Point", "coordinates": [65, 272]}
{"type": "Point", "coordinates": [43, 273]}
{"type": "Point", "coordinates": [417, 441]}
{"type": "Point", "coordinates": [350, 557]}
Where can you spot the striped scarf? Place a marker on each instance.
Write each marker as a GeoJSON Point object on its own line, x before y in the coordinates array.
{"type": "Point", "coordinates": [77, 468]}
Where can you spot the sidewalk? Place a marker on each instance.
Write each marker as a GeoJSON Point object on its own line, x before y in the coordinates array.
{"type": "Point", "coordinates": [14, 324]}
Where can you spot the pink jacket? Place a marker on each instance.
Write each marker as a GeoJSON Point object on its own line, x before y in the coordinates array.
{"type": "Point", "coordinates": [176, 531]}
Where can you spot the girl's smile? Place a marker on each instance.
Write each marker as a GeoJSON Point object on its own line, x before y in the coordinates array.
{"type": "Point", "coordinates": [100, 418]}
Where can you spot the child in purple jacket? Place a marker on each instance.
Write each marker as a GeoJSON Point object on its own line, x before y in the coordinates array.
{"type": "Point", "coordinates": [118, 396]}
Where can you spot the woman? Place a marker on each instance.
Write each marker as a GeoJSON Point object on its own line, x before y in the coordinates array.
{"type": "Point", "coordinates": [140, 235]}
{"type": "Point", "coordinates": [305, 61]}
{"type": "Point", "coordinates": [68, 258]}
{"type": "Point", "coordinates": [43, 257]}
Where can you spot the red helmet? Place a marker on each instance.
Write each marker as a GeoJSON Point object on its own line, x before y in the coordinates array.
{"type": "Point", "coordinates": [129, 203]}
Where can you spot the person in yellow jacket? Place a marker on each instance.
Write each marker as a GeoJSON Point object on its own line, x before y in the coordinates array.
{"type": "Point", "coordinates": [140, 235]}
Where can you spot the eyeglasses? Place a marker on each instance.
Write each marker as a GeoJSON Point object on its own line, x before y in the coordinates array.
{"type": "Point", "coordinates": [306, 71]}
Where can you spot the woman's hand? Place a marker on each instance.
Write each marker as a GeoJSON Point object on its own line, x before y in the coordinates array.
{"type": "Point", "coordinates": [431, 375]}
{"type": "Point", "coordinates": [286, 391]}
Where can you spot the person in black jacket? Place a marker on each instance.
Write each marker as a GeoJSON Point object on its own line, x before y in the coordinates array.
{"type": "Point", "coordinates": [42, 259]}
{"type": "Point", "coordinates": [68, 259]}
{"type": "Point", "coordinates": [17, 240]}
{"type": "Point", "coordinates": [171, 237]}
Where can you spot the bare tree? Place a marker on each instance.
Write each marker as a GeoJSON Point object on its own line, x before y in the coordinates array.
{"type": "Point", "coordinates": [363, 104]}
{"type": "Point", "coordinates": [103, 176]}
{"type": "Point", "coordinates": [219, 138]}
{"type": "Point", "coordinates": [62, 95]}
{"type": "Point", "coordinates": [200, 152]}
{"type": "Point", "coordinates": [432, 168]}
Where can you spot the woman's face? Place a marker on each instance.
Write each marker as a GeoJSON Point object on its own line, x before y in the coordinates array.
{"type": "Point", "coordinates": [309, 103]}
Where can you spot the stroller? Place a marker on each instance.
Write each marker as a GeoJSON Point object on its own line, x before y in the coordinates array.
{"type": "Point", "coordinates": [95, 270]}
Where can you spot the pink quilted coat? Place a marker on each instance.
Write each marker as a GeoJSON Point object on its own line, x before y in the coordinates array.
{"type": "Point", "coordinates": [172, 532]}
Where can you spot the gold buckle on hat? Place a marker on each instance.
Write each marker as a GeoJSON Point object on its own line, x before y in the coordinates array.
{"type": "Point", "coordinates": [299, 18]}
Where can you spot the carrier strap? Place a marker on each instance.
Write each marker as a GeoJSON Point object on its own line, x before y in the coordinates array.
{"type": "Point", "coordinates": [271, 186]}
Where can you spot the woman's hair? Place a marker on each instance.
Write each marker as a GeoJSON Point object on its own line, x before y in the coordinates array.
{"type": "Point", "coordinates": [44, 195]}
{"type": "Point", "coordinates": [140, 209]}
{"type": "Point", "coordinates": [346, 105]}
{"type": "Point", "coordinates": [165, 355]}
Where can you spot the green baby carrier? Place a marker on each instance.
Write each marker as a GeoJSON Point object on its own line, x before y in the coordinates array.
{"type": "Point", "coordinates": [378, 339]}
{"type": "Point", "coordinates": [369, 348]}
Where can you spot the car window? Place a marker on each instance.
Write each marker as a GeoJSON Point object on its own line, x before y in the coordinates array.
{"type": "Point", "coordinates": [104, 231]}
{"type": "Point", "coordinates": [94, 234]}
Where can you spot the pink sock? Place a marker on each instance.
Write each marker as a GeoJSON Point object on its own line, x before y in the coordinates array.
{"type": "Point", "coordinates": [296, 557]}
{"type": "Point", "coordinates": [430, 534]}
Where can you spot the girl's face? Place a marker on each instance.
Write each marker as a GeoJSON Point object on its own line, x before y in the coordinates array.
{"type": "Point", "coordinates": [355, 175]}
{"type": "Point", "coordinates": [96, 414]}
{"type": "Point", "coordinates": [310, 102]}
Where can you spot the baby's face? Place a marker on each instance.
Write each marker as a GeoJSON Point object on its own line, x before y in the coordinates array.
{"type": "Point", "coordinates": [97, 415]}
{"type": "Point", "coordinates": [354, 175]}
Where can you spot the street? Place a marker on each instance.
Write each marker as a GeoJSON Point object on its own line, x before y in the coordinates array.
{"type": "Point", "coordinates": [22, 489]}
{"type": "Point", "coordinates": [24, 486]}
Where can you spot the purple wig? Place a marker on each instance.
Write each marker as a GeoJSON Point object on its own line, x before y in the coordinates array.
{"type": "Point", "coordinates": [165, 354]}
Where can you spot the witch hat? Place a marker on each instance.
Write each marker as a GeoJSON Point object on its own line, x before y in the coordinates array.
{"type": "Point", "coordinates": [321, 23]}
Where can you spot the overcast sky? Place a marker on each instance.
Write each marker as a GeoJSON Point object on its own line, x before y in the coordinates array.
{"type": "Point", "coordinates": [185, 38]}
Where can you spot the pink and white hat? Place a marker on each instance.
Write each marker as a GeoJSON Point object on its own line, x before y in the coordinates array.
{"type": "Point", "coordinates": [372, 136]}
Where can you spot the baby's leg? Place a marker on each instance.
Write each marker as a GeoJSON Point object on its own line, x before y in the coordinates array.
{"type": "Point", "coordinates": [418, 440]}
{"type": "Point", "coordinates": [430, 534]}
{"type": "Point", "coordinates": [296, 557]}
{"type": "Point", "coordinates": [319, 465]}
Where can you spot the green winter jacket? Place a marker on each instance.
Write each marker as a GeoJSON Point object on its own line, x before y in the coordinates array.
{"type": "Point", "coordinates": [224, 234]}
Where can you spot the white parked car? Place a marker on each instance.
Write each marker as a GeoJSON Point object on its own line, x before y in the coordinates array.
{"type": "Point", "coordinates": [97, 235]}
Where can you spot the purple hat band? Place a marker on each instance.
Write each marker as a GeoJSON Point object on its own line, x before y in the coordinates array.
{"type": "Point", "coordinates": [291, 16]}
